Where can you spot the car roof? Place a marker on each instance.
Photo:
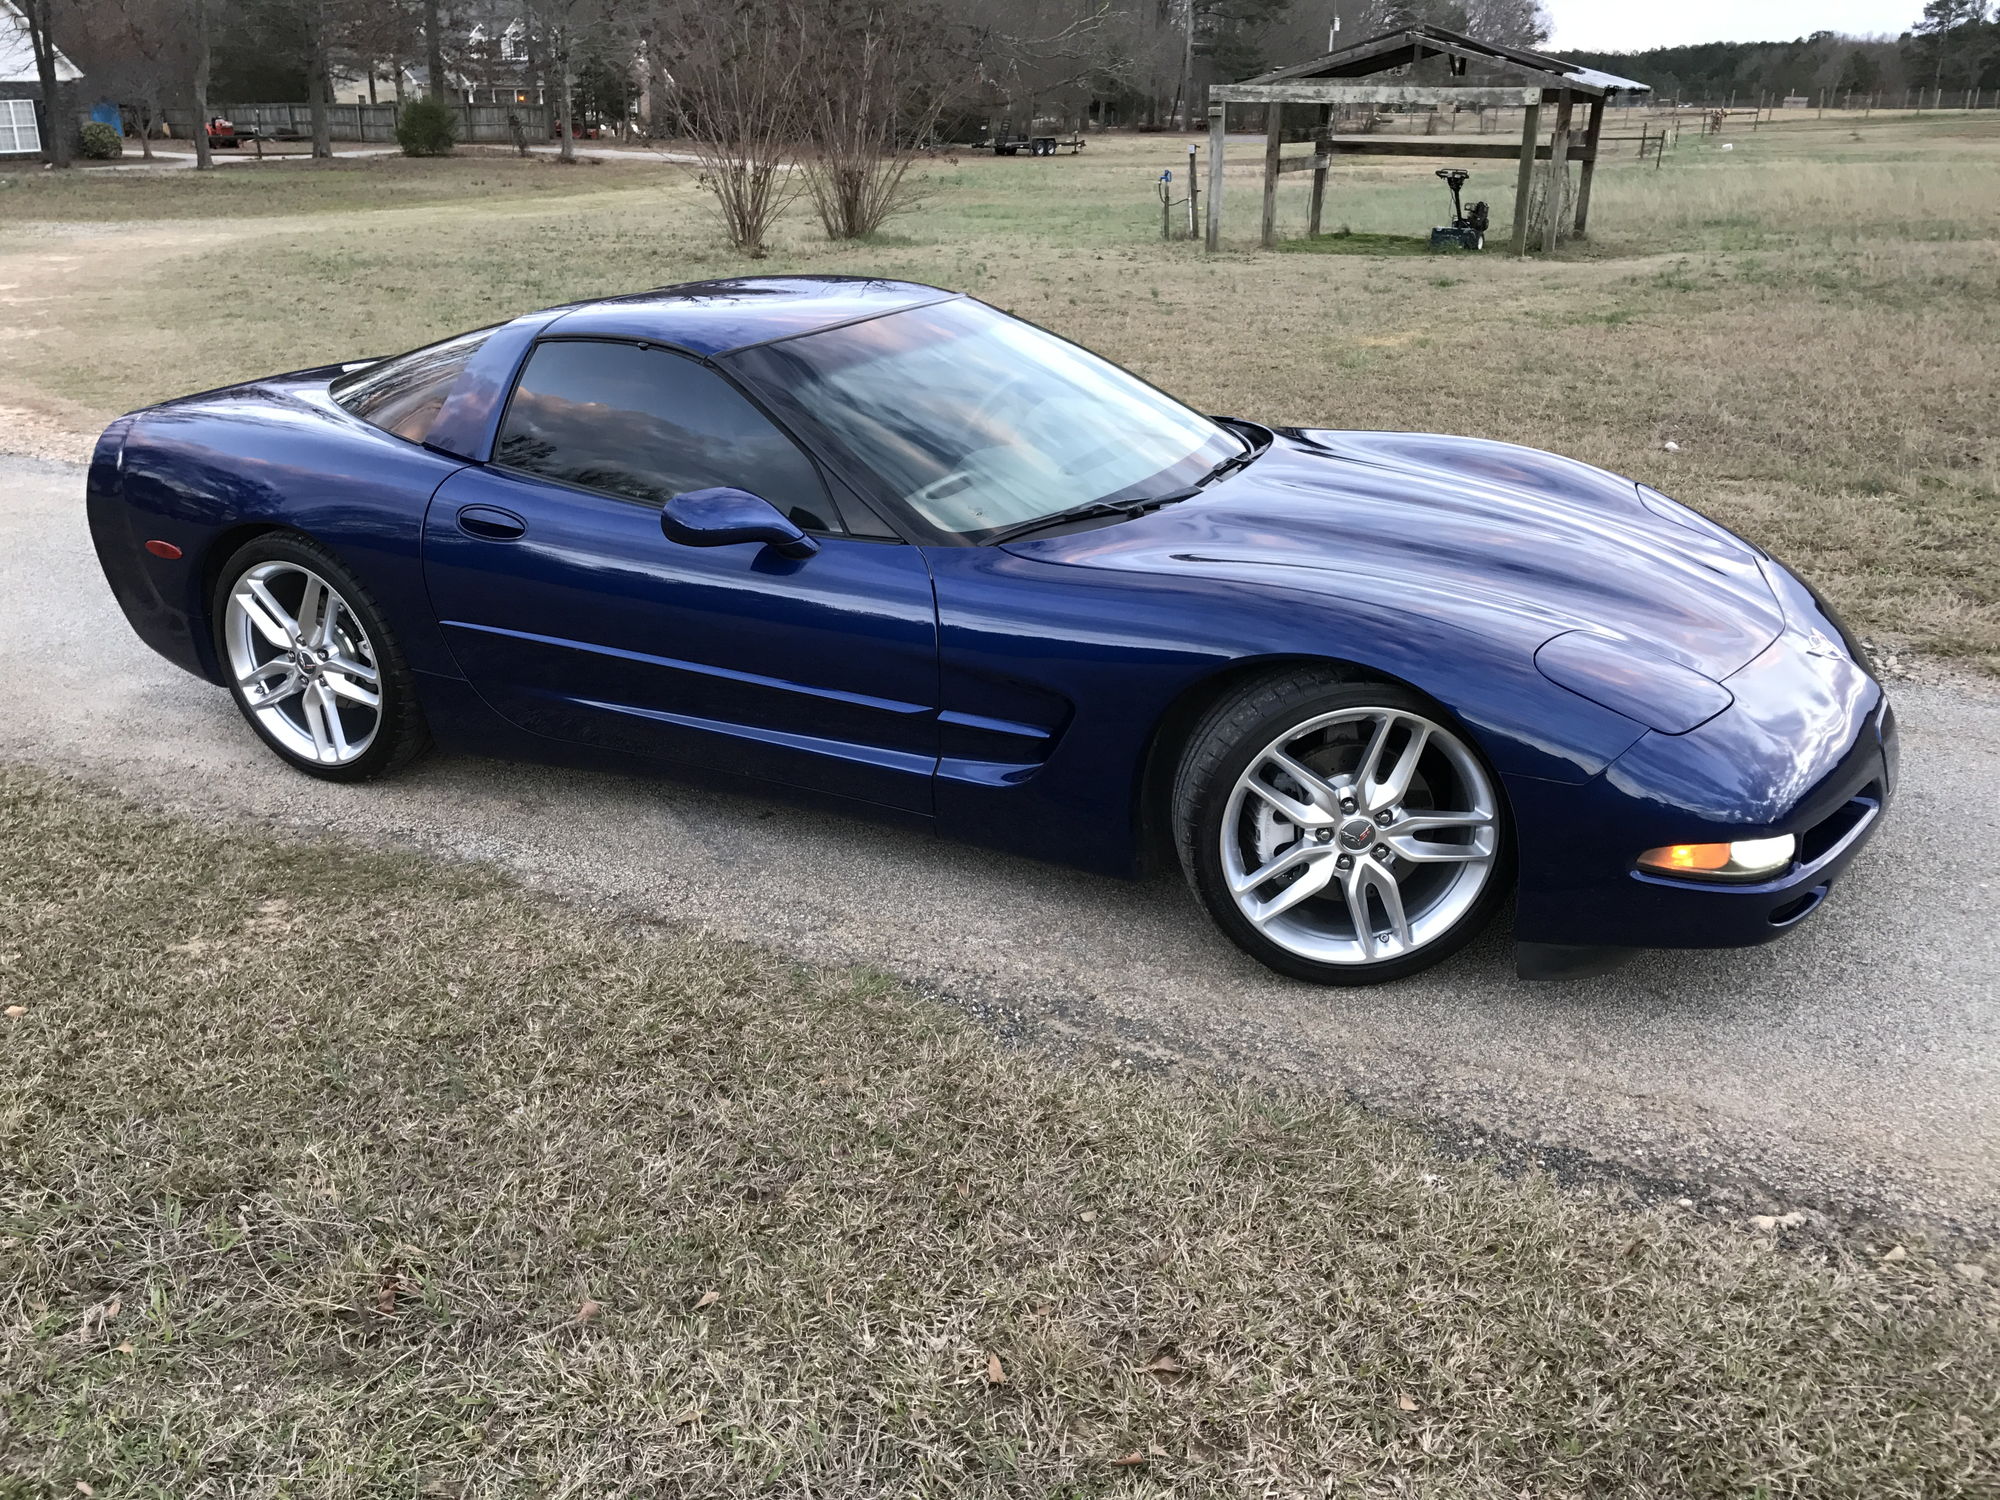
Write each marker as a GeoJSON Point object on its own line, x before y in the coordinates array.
{"type": "Point", "coordinates": [713, 317]}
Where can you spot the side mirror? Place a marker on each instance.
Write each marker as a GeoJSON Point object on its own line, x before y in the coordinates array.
{"type": "Point", "coordinates": [723, 516]}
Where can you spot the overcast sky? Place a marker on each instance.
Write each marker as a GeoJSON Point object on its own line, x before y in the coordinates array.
{"type": "Point", "coordinates": [1630, 25]}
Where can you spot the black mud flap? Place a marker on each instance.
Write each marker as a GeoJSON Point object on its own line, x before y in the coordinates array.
{"type": "Point", "coordinates": [1568, 961]}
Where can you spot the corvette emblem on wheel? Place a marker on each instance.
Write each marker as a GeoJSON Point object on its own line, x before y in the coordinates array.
{"type": "Point", "coordinates": [886, 546]}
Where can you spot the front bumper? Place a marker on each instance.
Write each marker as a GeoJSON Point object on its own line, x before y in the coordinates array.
{"type": "Point", "coordinates": [1809, 748]}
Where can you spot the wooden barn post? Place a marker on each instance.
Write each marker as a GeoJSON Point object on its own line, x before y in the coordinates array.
{"type": "Point", "coordinates": [1218, 115]}
{"type": "Point", "coordinates": [1322, 155]}
{"type": "Point", "coordinates": [1589, 169]}
{"type": "Point", "coordinates": [1274, 139]}
{"type": "Point", "coordinates": [1524, 184]}
{"type": "Point", "coordinates": [1558, 178]}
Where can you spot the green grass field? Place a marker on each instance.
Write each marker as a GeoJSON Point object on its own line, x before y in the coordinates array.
{"type": "Point", "coordinates": [333, 1174]}
{"type": "Point", "coordinates": [1811, 316]}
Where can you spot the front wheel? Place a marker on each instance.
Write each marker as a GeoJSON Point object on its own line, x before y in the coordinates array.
{"type": "Point", "coordinates": [1340, 832]}
{"type": "Point", "coordinates": [312, 664]}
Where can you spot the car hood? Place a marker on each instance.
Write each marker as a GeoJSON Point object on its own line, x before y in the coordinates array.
{"type": "Point", "coordinates": [1507, 540]}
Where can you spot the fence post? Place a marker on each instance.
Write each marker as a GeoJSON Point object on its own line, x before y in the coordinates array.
{"type": "Point", "coordinates": [1323, 155]}
{"type": "Point", "coordinates": [1558, 178]}
{"type": "Point", "coordinates": [1594, 125]}
{"type": "Point", "coordinates": [1218, 122]}
{"type": "Point", "coordinates": [1194, 190]}
{"type": "Point", "coordinates": [1274, 140]}
{"type": "Point", "coordinates": [1524, 182]}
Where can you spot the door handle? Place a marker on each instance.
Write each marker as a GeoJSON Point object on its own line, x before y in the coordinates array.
{"type": "Point", "coordinates": [490, 523]}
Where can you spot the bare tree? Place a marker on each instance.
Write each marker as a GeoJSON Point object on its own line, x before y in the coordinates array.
{"type": "Point", "coordinates": [882, 72]}
{"type": "Point", "coordinates": [434, 48]}
{"type": "Point", "coordinates": [564, 36]}
{"type": "Point", "coordinates": [313, 19]}
{"type": "Point", "coordinates": [43, 21]}
{"type": "Point", "coordinates": [136, 51]}
{"type": "Point", "coordinates": [375, 32]}
{"type": "Point", "coordinates": [1037, 52]}
{"type": "Point", "coordinates": [737, 80]}
{"type": "Point", "coordinates": [1511, 23]}
{"type": "Point", "coordinates": [202, 41]}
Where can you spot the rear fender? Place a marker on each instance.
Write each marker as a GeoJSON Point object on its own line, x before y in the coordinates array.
{"type": "Point", "coordinates": [207, 476]}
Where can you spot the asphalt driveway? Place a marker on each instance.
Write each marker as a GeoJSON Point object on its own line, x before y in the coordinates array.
{"type": "Point", "coordinates": [1856, 1065]}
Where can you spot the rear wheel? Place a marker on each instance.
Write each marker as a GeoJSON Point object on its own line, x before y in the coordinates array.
{"type": "Point", "coordinates": [1341, 832]}
{"type": "Point", "coordinates": [312, 664]}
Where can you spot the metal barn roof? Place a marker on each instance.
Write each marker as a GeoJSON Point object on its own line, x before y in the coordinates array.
{"type": "Point", "coordinates": [1407, 44]}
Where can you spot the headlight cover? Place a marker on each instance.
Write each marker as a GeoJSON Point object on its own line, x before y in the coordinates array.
{"type": "Point", "coordinates": [1743, 860]}
{"type": "Point", "coordinates": [1629, 679]}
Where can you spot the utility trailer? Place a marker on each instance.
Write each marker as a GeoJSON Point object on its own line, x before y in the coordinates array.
{"type": "Point", "coordinates": [1043, 137]}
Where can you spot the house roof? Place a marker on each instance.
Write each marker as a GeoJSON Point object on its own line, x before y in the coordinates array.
{"type": "Point", "coordinates": [17, 55]}
{"type": "Point", "coordinates": [1393, 49]}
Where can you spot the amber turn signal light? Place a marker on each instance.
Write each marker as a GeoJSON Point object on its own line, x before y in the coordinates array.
{"type": "Point", "coordinates": [1745, 859]}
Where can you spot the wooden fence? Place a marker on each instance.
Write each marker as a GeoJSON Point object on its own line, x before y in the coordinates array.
{"type": "Point", "coordinates": [485, 123]}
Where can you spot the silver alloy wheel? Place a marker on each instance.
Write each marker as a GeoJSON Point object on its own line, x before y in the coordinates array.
{"type": "Point", "coordinates": [1360, 835]}
{"type": "Point", "coordinates": [303, 664]}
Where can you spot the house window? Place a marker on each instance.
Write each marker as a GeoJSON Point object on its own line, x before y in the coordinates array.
{"type": "Point", "coordinates": [18, 130]}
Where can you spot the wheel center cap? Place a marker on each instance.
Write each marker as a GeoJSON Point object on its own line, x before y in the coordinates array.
{"type": "Point", "coordinates": [1356, 834]}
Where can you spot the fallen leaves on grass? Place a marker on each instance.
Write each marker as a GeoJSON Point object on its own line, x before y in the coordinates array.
{"type": "Point", "coordinates": [95, 1318]}
{"type": "Point", "coordinates": [996, 1374]}
{"type": "Point", "coordinates": [1777, 1221]}
{"type": "Point", "coordinates": [707, 1299]}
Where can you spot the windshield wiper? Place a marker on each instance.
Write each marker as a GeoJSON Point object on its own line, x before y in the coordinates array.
{"type": "Point", "coordinates": [1090, 512]}
{"type": "Point", "coordinates": [1228, 466]}
{"type": "Point", "coordinates": [1135, 507]}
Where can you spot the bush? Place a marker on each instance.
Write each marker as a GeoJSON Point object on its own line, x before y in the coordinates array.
{"type": "Point", "coordinates": [101, 142]}
{"type": "Point", "coordinates": [427, 127]}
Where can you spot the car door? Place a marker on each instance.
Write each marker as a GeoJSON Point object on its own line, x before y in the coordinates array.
{"type": "Point", "coordinates": [575, 617]}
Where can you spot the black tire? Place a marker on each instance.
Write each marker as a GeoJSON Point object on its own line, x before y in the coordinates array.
{"type": "Point", "coordinates": [400, 734]}
{"type": "Point", "coordinates": [1222, 747]}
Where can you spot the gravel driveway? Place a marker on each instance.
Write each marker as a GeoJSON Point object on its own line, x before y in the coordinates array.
{"type": "Point", "coordinates": [1855, 1066]}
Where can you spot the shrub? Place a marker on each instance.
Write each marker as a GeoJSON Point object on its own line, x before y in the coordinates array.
{"type": "Point", "coordinates": [101, 142]}
{"type": "Point", "coordinates": [427, 127]}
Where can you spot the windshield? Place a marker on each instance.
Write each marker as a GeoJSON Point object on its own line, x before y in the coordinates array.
{"type": "Point", "coordinates": [979, 421]}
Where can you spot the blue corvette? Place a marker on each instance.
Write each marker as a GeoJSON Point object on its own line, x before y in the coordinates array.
{"type": "Point", "coordinates": [878, 542]}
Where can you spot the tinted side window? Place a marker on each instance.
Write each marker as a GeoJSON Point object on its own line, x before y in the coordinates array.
{"type": "Point", "coordinates": [647, 424]}
{"type": "Point", "coordinates": [403, 395]}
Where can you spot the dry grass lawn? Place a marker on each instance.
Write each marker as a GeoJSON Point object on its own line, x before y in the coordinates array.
{"type": "Point", "coordinates": [333, 1174]}
{"type": "Point", "coordinates": [1811, 317]}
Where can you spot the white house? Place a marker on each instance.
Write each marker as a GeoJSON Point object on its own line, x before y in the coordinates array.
{"type": "Point", "coordinates": [21, 85]}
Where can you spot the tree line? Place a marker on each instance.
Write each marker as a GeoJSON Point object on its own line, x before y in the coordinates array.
{"type": "Point", "coordinates": [955, 63]}
{"type": "Point", "coordinates": [1954, 45]}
